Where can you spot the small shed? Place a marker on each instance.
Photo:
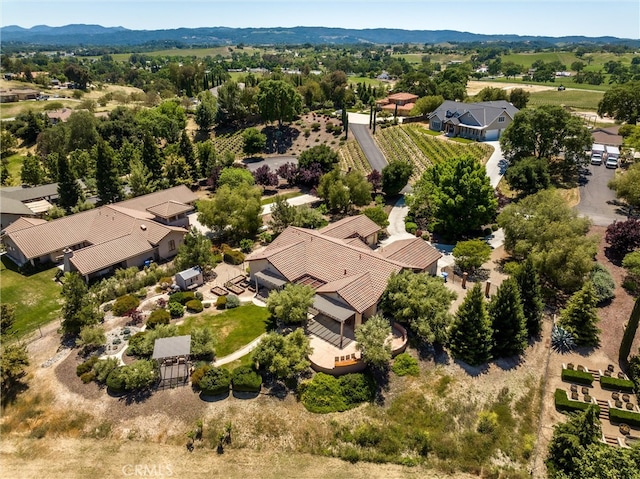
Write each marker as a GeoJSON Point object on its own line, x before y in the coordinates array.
{"type": "Point", "coordinates": [190, 278]}
{"type": "Point", "coordinates": [172, 356]}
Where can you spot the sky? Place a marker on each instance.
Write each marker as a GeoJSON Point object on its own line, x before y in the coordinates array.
{"type": "Point", "coordinates": [619, 18]}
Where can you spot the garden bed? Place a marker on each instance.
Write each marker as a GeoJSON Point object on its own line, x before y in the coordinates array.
{"type": "Point", "coordinates": [580, 377]}
{"type": "Point", "coordinates": [563, 403]}
{"type": "Point", "coordinates": [616, 384]}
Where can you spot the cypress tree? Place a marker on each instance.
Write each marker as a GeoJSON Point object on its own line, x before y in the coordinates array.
{"type": "Point", "coordinates": [508, 321]}
{"type": "Point", "coordinates": [107, 179]}
{"type": "Point", "coordinates": [532, 304]}
{"type": "Point", "coordinates": [470, 334]}
{"type": "Point", "coordinates": [151, 157]}
{"type": "Point", "coordinates": [69, 191]}
{"type": "Point", "coordinates": [580, 316]}
{"type": "Point", "coordinates": [186, 150]}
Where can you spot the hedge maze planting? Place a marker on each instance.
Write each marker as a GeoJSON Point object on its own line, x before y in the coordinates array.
{"type": "Point", "coordinates": [580, 377]}
{"type": "Point", "coordinates": [563, 403]}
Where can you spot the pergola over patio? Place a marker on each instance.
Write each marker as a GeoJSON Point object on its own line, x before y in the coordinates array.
{"type": "Point", "coordinates": [270, 280]}
{"type": "Point", "coordinates": [172, 355]}
{"type": "Point", "coordinates": [335, 311]}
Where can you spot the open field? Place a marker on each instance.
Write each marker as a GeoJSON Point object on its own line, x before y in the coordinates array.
{"type": "Point", "coordinates": [577, 99]}
{"type": "Point", "coordinates": [567, 58]}
{"type": "Point", "coordinates": [36, 296]}
{"type": "Point", "coordinates": [443, 58]}
{"type": "Point", "coordinates": [567, 82]}
{"type": "Point", "coordinates": [232, 329]}
{"type": "Point", "coordinates": [186, 52]}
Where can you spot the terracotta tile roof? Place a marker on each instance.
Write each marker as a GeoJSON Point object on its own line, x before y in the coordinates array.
{"type": "Point", "coordinates": [350, 227]}
{"type": "Point", "coordinates": [169, 208]}
{"type": "Point", "coordinates": [357, 242]}
{"type": "Point", "coordinates": [359, 275]}
{"type": "Point", "coordinates": [413, 251]}
{"type": "Point", "coordinates": [401, 96]}
{"type": "Point", "coordinates": [22, 223]}
{"type": "Point", "coordinates": [98, 226]}
{"type": "Point", "coordinates": [101, 256]}
{"type": "Point", "coordinates": [180, 194]}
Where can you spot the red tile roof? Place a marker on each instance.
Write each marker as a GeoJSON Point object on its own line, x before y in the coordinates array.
{"type": "Point", "coordinates": [413, 251]}
{"type": "Point", "coordinates": [351, 227]}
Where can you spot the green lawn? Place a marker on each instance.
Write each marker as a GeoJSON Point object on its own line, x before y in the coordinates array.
{"type": "Point", "coordinates": [286, 196]}
{"type": "Point", "coordinates": [583, 100]}
{"type": "Point", "coordinates": [232, 329]}
{"type": "Point", "coordinates": [14, 163]}
{"type": "Point", "coordinates": [37, 296]}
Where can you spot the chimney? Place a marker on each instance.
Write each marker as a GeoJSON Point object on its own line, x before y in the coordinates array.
{"type": "Point", "coordinates": [68, 254]}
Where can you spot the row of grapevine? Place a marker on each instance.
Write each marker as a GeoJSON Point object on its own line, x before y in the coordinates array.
{"type": "Point", "coordinates": [412, 143]}
{"type": "Point", "coordinates": [232, 142]}
{"type": "Point", "coordinates": [352, 156]}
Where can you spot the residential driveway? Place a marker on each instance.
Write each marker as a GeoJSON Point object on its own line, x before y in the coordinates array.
{"type": "Point", "coordinates": [370, 149]}
{"type": "Point", "coordinates": [396, 229]}
{"type": "Point", "coordinates": [274, 162]}
{"type": "Point", "coordinates": [295, 201]}
{"type": "Point", "coordinates": [358, 119]}
{"type": "Point", "coordinates": [596, 199]}
{"type": "Point", "coordinates": [496, 165]}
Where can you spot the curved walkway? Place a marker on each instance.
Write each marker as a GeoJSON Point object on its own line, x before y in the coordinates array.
{"type": "Point", "coordinates": [243, 351]}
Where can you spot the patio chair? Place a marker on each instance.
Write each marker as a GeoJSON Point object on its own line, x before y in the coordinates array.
{"type": "Point", "coordinates": [607, 373]}
{"type": "Point", "coordinates": [337, 359]}
{"type": "Point", "coordinates": [610, 367]}
{"type": "Point", "coordinates": [585, 390]}
{"type": "Point", "coordinates": [574, 388]}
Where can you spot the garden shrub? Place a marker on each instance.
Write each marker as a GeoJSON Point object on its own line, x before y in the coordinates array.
{"type": "Point", "coordinates": [617, 384]}
{"type": "Point", "coordinates": [246, 245]}
{"type": "Point", "coordinates": [159, 316]}
{"type": "Point", "coordinates": [103, 368]}
{"type": "Point", "coordinates": [115, 380]}
{"type": "Point", "coordinates": [411, 227]}
{"type": "Point", "coordinates": [563, 403]}
{"type": "Point", "coordinates": [245, 378]}
{"type": "Point", "coordinates": [198, 295]}
{"type": "Point", "coordinates": [603, 283]}
{"type": "Point", "coordinates": [194, 306]}
{"type": "Point", "coordinates": [404, 364]}
{"type": "Point", "coordinates": [88, 377]}
{"type": "Point", "coordinates": [107, 307]}
{"type": "Point", "coordinates": [580, 377]}
{"type": "Point", "coordinates": [135, 344]}
{"type": "Point", "coordinates": [627, 417]}
{"type": "Point", "coordinates": [124, 304]}
{"type": "Point", "coordinates": [176, 310]}
{"type": "Point", "coordinates": [215, 381]}
{"type": "Point", "coordinates": [206, 305]}
{"type": "Point", "coordinates": [182, 297]}
{"type": "Point", "coordinates": [221, 302]}
{"type": "Point", "coordinates": [86, 366]}
{"type": "Point", "coordinates": [232, 256]}
{"type": "Point", "coordinates": [198, 373]}
{"type": "Point", "coordinates": [232, 301]}
{"type": "Point", "coordinates": [325, 393]}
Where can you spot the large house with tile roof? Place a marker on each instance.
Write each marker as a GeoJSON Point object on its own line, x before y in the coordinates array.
{"type": "Point", "coordinates": [347, 275]}
{"type": "Point", "coordinates": [482, 121]}
{"type": "Point", "coordinates": [96, 241]}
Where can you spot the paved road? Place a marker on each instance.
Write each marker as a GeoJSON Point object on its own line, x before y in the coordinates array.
{"type": "Point", "coordinates": [274, 162]}
{"type": "Point", "coordinates": [370, 149]}
{"type": "Point", "coordinates": [295, 201]}
{"type": "Point", "coordinates": [596, 199]}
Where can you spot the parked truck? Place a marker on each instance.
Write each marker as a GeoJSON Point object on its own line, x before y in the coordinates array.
{"type": "Point", "coordinates": [597, 154]}
{"type": "Point", "coordinates": [613, 156]}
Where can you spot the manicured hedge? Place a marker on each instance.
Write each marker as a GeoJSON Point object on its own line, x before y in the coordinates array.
{"type": "Point", "coordinates": [580, 377]}
{"type": "Point", "coordinates": [124, 304]}
{"type": "Point", "coordinates": [627, 417]}
{"type": "Point", "coordinates": [215, 381]}
{"type": "Point", "coordinates": [194, 306]}
{"type": "Point", "coordinates": [245, 378]}
{"type": "Point", "coordinates": [159, 316]}
{"type": "Point", "coordinates": [616, 384]}
{"type": "Point", "coordinates": [563, 403]}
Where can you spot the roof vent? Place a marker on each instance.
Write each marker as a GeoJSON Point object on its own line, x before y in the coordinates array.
{"type": "Point", "coordinates": [143, 227]}
{"type": "Point", "coordinates": [345, 272]}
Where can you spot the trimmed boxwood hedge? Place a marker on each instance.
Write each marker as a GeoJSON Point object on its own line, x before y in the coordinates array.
{"type": "Point", "coordinates": [245, 378]}
{"type": "Point", "coordinates": [215, 381]}
{"type": "Point", "coordinates": [580, 377]}
{"type": "Point", "coordinates": [627, 417]}
{"type": "Point", "coordinates": [616, 384]}
{"type": "Point", "coordinates": [563, 403]}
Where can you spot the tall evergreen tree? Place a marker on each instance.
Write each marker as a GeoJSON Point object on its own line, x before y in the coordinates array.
{"type": "Point", "coordinates": [107, 179]}
{"type": "Point", "coordinates": [140, 181]}
{"type": "Point", "coordinates": [69, 191]}
{"type": "Point", "coordinates": [470, 336]}
{"type": "Point", "coordinates": [532, 304]}
{"type": "Point", "coordinates": [189, 155]}
{"type": "Point", "coordinates": [151, 157]}
{"type": "Point", "coordinates": [581, 316]}
{"type": "Point", "coordinates": [508, 321]}
{"type": "Point", "coordinates": [77, 309]}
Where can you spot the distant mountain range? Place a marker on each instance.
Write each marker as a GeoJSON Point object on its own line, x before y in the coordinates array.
{"type": "Point", "coordinates": [96, 35]}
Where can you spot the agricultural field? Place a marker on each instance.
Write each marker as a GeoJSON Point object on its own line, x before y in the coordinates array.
{"type": "Point", "coordinates": [187, 52]}
{"type": "Point", "coordinates": [229, 141]}
{"type": "Point", "coordinates": [579, 99]}
{"type": "Point", "coordinates": [352, 157]}
{"type": "Point", "coordinates": [443, 58]}
{"type": "Point", "coordinates": [418, 145]}
{"type": "Point", "coordinates": [598, 59]}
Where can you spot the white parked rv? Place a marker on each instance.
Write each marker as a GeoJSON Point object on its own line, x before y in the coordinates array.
{"type": "Point", "coordinates": [597, 154]}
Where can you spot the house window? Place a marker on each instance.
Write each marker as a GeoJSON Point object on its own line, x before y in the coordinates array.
{"type": "Point", "coordinates": [436, 125]}
{"type": "Point", "coordinates": [501, 119]}
{"type": "Point", "coordinates": [172, 245]}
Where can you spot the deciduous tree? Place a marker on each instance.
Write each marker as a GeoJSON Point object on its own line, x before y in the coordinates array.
{"type": "Point", "coordinates": [627, 185]}
{"type": "Point", "coordinates": [233, 211]}
{"type": "Point", "coordinates": [622, 102]}
{"type": "Point", "coordinates": [372, 339]}
{"type": "Point", "coordinates": [285, 357]}
{"type": "Point", "coordinates": [282, 215]}
{"type": "Point", "coordinates": [324, 156]}
{"type": "Point", "coordinates": [528, 175]}
{"type": "Point", "coordinates": [253, 141]}
{"type": "Point", "coordinates": [278, 101]}
{"type": "Point", "coordinates": [623, 237]}
{"type": "Point", "coordinates": [395, 176]}
{"type": "Point", "coordinates": [471, 254]}
{"type": "Point", "coordinates": [195, 251]}
{"type": "Point", "coordinates": [291, 304]}
{"type": "Point", "coordinates": [421, 302]}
